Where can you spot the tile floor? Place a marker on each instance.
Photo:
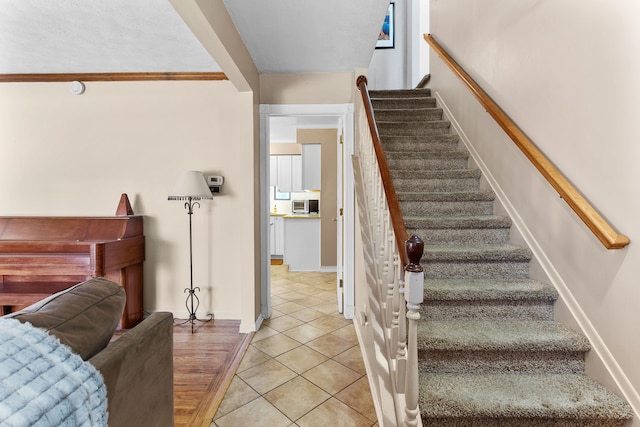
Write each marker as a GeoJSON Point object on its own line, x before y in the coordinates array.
{"type": "Point", "coordinates": [304, 366]}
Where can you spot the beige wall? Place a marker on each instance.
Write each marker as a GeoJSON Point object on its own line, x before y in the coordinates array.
{"type": "Point", "coordinates": [327, 138]}
{"type": "Point", "coordinates": [306, 88]}
{"type": "Point", "coordinates": [62, 154]}
{"type": "Point", "coordinates": [567, 74]}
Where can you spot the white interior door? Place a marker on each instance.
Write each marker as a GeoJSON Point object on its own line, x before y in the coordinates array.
{"type": "Point", "coordinates": [339, 219]}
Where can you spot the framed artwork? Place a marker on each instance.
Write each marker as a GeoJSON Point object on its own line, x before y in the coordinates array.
{"type": "Point", "coordinates": [277, 195]}
{"type": "Point", "coordinates": [386, 39]}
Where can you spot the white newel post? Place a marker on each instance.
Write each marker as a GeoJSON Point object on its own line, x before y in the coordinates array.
{"type": "Point", "coordinates": [414, 295]}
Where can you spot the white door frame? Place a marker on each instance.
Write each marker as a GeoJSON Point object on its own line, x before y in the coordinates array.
{"type": "Point", "coordinates": [346, 112]}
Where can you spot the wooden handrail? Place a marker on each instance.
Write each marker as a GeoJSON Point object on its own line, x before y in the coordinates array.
{"type": "Point", "coordinates": [387, 182]}
{"type": "Point", "coordinates": [110, 77]}
{"type": "Point", "coordinates": [601, 228]}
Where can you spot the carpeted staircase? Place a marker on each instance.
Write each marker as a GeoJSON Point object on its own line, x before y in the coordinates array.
{"type": "Point", "coordinates": [490, 352]}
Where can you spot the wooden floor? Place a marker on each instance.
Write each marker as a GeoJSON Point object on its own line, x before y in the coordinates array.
{"type": "Point", "coordinates": [204, 364]}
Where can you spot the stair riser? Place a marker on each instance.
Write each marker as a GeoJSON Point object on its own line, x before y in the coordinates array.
{"type": "Point", "coordinates": [446, 208]}
{"type": "Point", "coordinates": [428, 164]}
{"type": "Point", "coordinates": [518, 422]}
{"type": "Point", "coordinates": [414, 147]}
{"type": "Point", "coordinates": [409, 115]}
{"type": "Point", "coordinates": [440, 138]}
{"type": "Point", "coordinates": [475, 270]}
{"type": "Point", "coordinates": [489, 362]}
{"type": "Point", "coordinates": [486, 310]}
{"type": "Point", "coordinates": [403, 103]}
{"type": "Point", "coordinates": [453, 236]}
{"type": "Point", "coordinates": [417, 129]}
{"type": "Point", "coordinates": [436, 185]}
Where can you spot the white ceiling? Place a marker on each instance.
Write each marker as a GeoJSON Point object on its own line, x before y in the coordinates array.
{"type": "Point", "coordinates": [97, 36]}
{"type": "Point", "coordinates": [101, 36]}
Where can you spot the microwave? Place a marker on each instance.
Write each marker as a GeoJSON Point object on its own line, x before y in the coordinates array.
{"type": "Point", "coordinates": [300, 206]}
{"type": "Point", "coordinates": [305, 206]}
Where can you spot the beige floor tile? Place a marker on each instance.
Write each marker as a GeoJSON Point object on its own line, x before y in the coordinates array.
{"type": "Point", "coordinates": [283, 323]}
{"type": "Point", "coordinates": [252, 357]}
{"type": "Point", "coordinates": [309, 301]}
{"type": "Point", "coordinates": [289, 307]}
{"type": "Point", "coordinates": [352, 359]}
{"type": "Point", "coordinates": [329, 323]}
{"type": "Point", "coordinates": [358, 397]}
{"type": "Point", "coordinates": [336, 413]}
{"type": "Point", "coordinates": [267, 376]}
{"type": "Point", "coordinates": [331, 376]}
{"type": "Point", "coordinates": [301, 359]}
{"type": "Point", "coordinates": [275, 313]}
{"type": "Point", "coordinates": [327, 307]}
{"type": "Point", "coordinates": [296, 397]}
{"type": "Point", "coordinates": [238, 394]}
{"type": "Point", "coordinates": [347, 333]}
{"type": "Point", "coordinates": [307, 315]}
{"type": "Point", "coordinates": [256, 413]}
{"type": "Point", "coordinates": [304, 333]}
{"type": "Point", "coordinates": [292, 295]}
{"type": "Point", "coordinates": [264, 332]}
{"type": "Point", "coordinates": [276, 345]}
{"type": "Point", "coordinates": [330, 345]}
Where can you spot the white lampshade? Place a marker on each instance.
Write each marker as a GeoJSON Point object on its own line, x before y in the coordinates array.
{"type": "Point", "coordinates": [190, 185]}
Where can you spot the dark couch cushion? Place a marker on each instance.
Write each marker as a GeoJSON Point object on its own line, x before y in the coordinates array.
{"type": "Point", "coordinates": [84, 317]}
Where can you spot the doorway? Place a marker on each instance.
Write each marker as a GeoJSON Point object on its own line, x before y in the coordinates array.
{"type": "Point", "coordinates": [342, 116]}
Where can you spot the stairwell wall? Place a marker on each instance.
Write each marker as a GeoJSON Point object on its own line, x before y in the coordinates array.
{"type": "Point", "coordinates": [572, 87]}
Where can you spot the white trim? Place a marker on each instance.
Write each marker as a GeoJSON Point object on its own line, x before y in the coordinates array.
{"type": "Point", "coordinates": [598, 345]}
{"type": "Point", "coordinates": [329, 269]}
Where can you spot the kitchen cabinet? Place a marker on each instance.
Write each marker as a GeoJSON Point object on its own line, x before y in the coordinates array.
{"type": "Point", "coordinates": [288, 173]}
{"type": "Point", "coordinates": [276, 237]}
{"type": "Point", "coordinates": [302, 243]}
{"type": "Point", "coordinates": [311, 166]}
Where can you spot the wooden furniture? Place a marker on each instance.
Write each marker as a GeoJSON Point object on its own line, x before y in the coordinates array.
{"type": "Point", "coordinates": [43, 255]}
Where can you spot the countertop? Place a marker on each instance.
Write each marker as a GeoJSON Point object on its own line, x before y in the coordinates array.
{"type": "Point", "coordinates": [296, 216]}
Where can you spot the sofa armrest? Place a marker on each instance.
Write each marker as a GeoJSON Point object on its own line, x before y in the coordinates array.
{"type": "Point", "coordinates": [138, 373]}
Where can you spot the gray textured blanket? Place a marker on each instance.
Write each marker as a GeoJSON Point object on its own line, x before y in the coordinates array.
{"type": "Point", "coordinates": [43, 383]}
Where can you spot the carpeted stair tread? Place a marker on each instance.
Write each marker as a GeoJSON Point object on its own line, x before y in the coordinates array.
{"type": "Point", "coordinates": [416, 129]}
{"type": "Point", "coordinates": [499, 335]}
{"type": "Point", "coordinates": [507, 252]}
{"type": "Point", "coordinates": [483, 289]}
{"type": "Point", "coordinates": [462, 196]}
{"type": "Point", "coordinates": [402, 103]}
{"type": "Point", "coordinates": [426, 155]}
{"type": "Point", "coordinates": [468, 222]}
{"type": "Point", "coordinates": [399, 140]}
{"type": "Point", "coordinates": [436, 174]}
{"type": "Point", "coordinates": [401, 93]}
{"type": "Point", "coordinates": [408, 115]}
{"type": "Point", "coordinates": [512, 399]}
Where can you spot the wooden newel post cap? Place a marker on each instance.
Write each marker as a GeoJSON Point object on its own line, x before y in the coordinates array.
{"type": "Point", "coordinates": [415, 249]}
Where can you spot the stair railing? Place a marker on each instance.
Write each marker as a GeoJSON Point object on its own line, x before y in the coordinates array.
{"type": "Point", "coordinates": [592, 219]}
{"type": "Point", "coordinates": [392, 262]}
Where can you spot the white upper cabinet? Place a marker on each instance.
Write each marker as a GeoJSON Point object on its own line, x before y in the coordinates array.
{"type": "Point", "coordinates": [291, 173]}
{"type": "Point", "coordinates": [311, 166]}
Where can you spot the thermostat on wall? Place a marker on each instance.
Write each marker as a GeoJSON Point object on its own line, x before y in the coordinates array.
{"type": "Point", "coordinates": [215, 180]}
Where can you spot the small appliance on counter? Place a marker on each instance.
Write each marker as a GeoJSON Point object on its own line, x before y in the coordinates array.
{"type": "Point", "coordinates": [305, 207]}
{"type": "Point", "coordinates": [314, 206]}
{"type": "Point", "coordinates": [299, 207]}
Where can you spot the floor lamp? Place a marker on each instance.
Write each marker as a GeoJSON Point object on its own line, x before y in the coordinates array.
{"type": "Point", "coordinates": [191, 187]}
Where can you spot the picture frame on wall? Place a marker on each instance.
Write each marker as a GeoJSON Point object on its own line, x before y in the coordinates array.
{"type": "Point", "coordinates": [386, 38]}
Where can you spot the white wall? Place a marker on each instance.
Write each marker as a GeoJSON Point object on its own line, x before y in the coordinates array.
{"type": "Point", "coordinates": [567, 74]}
{"type": "Point", "coordinates": [62, 154]}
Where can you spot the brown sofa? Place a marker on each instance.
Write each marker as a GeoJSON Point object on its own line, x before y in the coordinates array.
{"type": "Point", "coordinates": [137, 367]}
